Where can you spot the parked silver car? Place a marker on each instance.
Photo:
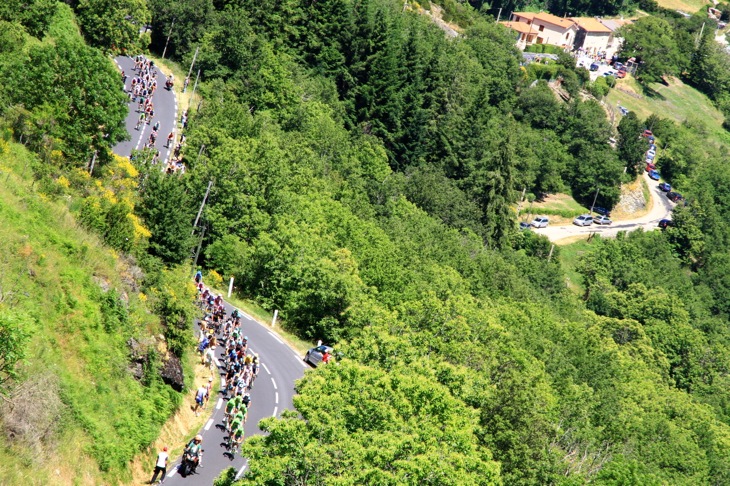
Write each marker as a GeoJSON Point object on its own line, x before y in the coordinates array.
{"type": "Point", "coordinates": [602, 220]}
{"type": "Point", "coordinates": [583, 220]}
{"type": "Point", "coordinates": [540, 222]}
{"type": "Point", "coordinates": [314, 355]}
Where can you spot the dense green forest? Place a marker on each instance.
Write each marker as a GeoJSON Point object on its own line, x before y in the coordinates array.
{"type": "Point", "coordinates": [366, 169]}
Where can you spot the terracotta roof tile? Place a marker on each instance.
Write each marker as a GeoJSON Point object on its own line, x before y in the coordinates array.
{"type": "Point", "coordinates": [521, 27]}
{"type": "Point", "coordinates": [589, 24]}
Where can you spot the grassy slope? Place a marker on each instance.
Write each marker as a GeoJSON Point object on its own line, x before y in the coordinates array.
{"type": "Point", "coordinates": [689, 6]}
{"type": "Point", "coordinates": [55, 271]}
{"type": "Point", "coordinates": [676, 101]}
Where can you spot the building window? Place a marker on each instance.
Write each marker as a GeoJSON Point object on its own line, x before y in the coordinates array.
{"type": "Point", "coordinates": [542, 27]}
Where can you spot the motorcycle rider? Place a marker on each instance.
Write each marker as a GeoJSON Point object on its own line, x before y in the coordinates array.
{"type": "Point", "coordinates": [194, 450]}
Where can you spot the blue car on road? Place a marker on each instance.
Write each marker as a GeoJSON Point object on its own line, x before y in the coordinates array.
{"type": "Point", "coordinates": [654, 175]}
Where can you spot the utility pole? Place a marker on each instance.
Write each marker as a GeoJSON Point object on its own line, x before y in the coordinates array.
{"type": "Point", "coordinates": [197, 251]}
{"type": "Point", "coordinates": [93, 161]}
{"type": "Point", "coordinates": [594, 199]}
{"type": "Point", "coordinates": [168, 38]}
{"type": "Point", "coordinates": [200, 152]}
{"type": "Point", "coordinates": [196, 83]}
{"type": "Point", "coordinates": [499, 14]}
{"type": "Point", "coordinates": [190, 71]}
{"type": "Point", "coordinates": [522, 199]}
{"type": "Point", "coordinates": [200, 211]}
{"type": "Point", "coordinates": [699, 37]}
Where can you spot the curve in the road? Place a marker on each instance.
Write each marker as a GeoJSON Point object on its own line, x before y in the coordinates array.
{"type": "Point", "coordinates": [661, 209]}
{"type": "Point", "coordinates": [273, 390]}
{"type": "Point", "coordinates": [272, 393]}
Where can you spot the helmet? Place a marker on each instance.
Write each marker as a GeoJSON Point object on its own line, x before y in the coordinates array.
{"type": "Point", "coordinates": [198, 438]}
{"type": "Point", "coordinates": [245, 337]}
{"type": "Point", "coordinates": [210, 379]}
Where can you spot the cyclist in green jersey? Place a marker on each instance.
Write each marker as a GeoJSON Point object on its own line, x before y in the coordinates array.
{"type": "Point", "coordinates": [235, 423]}
{"type": "Point", "coordinates": [230, 407]}
{"type": "Point", "coordinates": [237, 438]}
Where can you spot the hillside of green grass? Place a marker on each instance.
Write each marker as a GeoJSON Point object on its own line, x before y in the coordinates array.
{"type": "Point", "coordinates": [80, 414]}
{"type": "Point", "coordinates": [675, 100]}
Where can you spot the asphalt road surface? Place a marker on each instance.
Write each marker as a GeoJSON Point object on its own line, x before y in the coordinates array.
{"type": "Point", "coordinates": [272, 392]}
{"type": "Point", "coordinates": [661, 209]}
{"type": "Point", "coordinates": [280, 366]}
{"type": "Point", "coordinates": [165, 104]}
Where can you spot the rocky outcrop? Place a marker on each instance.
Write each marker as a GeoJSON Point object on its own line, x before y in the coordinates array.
{"type": "Point", "coordinates": [172, 372]}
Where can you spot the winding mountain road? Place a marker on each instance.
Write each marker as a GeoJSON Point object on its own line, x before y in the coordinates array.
{"type": "Point", "coordinates": [661, 209]}
{"type": "Point", "coordinates": [273, 390]}
{"type": "Point", "coordinates": [165, 103]}
{"type": "Point", "coordinates": [272, 393]}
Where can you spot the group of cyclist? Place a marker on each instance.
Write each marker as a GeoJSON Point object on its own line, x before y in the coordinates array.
{"type": "Point", "coordinates": [239, 366]}
{"type": "Point", "coordinates": [143, 87]}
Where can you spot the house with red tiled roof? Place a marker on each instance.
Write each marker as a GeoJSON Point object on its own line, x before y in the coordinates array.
{"type": "Point", "coordinates": [525, 34]}
{"type": "Point", "coordinates": [547, 28]}
{"type": "Point", "coordinates": [592, 36]}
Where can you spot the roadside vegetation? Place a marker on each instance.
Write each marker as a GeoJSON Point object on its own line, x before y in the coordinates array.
{"type": "Point", "coordinates": [365, 171]}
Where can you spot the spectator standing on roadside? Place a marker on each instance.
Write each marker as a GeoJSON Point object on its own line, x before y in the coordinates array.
{"type": "Point", "coordinates": [160, 466]}
{"type": "Point", "coordinates": [208, 387]}
{"type": "Point", "coordinates": [199, 399]}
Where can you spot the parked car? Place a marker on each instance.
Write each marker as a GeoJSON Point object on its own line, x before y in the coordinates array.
{"type": "Point", "coordinates": [655, 175]}
{"type": "Point", "coordinates": [314, 355]}
{"type": "Point", "coordinates": [594, 67]}
{"type": "Point", "coordinates": [583, 220]}
{"type": "Point", "coordinates": [664, 223]}
{"type": "Point", "coordinates": [652, 146]}
{"type": "Point", "coordinates": [602, 220]}
{"type": "Point", "coordinates": [651, 139]}
{"type": "Point", "coordinates": [540, 222]}
{"type": "Point", "coordinates": [524, 225]}
{"type": "Point", "coordinates": [610, 72]}
{"type": "Point", "coordinates": [665, 186]}
{"type": "Point", "coordinates": [650, 155]}
{"type": "Point", "coordinates": [621, 74]}
{"type": "Point", "coordinates": [647, 133]}
{"type": "Point", "coordinates": [617, 66]}
{"type": "Point", "coordinates": [675, 196]}
{"type": "Point", "coordinates": [600, 210]}
{"type": "Point", "coordinates": [650, 166]}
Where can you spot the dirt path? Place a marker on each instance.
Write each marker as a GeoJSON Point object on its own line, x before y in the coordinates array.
{"type": "Point", "coordinates": [661, 209]}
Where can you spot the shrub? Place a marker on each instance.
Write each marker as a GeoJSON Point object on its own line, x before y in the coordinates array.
{"type": "Point", "coordinates": [542, 71]}
{"type": "Point", "coordinates": [599, 88]}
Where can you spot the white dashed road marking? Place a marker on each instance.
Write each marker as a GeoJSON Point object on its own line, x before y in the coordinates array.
{"type": "Point", "coordinates": [172, 472]}
{"type": "Point", "coordinates": [219, 404]}
{"type": "Point", "coordinates": [265, 368]}
{"type": "Point", "coordinates": [276, 397]}
{"type": "Point", "coordinates": [275, 337]}
{"type": "Point", "coordinates": [141, 135]}
{"type": "Point", "coordinates": [240, 473]}
{"type": "Point", "coordinates": [274, 383]}
{"type": "Point", "coordinates": [275, 410]}
{"type": "Point", "coordinates": [208, 425]}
